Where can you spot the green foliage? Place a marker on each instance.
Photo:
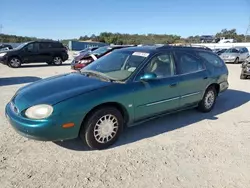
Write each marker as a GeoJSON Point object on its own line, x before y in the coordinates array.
{"type": "Point", "coordinates": [232, 34]}
{"type": "Point", "coordinates": [16, 39]}
{"type": "Point", "coordinates": [119, 38]}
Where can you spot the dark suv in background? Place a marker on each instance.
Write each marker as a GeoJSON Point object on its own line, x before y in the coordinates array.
{"type": "Point", "coordinates": [51, 52]}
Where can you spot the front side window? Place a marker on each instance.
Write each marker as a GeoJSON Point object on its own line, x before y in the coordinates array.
{"type": "Point", "coordinates": [188, 63]}
{"type": "Point", "coordinates": [32, 47]}
{"type": "Point", "coordinates": [161, 65]}
{"type": "Point", "coordinates": [232, 50]}
{"type": "Point", "coordinates": [118, 65]}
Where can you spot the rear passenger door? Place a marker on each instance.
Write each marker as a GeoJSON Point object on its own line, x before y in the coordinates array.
{"type": "Point", "coordinates": [193, 77]}
{"type": "Point", "coordinates": [44, 52]}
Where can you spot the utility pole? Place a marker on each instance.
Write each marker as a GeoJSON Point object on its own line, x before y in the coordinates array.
{"type": "Point", "coordinates": [1, 27]}
{"type": "Point", "coordinates": [248, 31]}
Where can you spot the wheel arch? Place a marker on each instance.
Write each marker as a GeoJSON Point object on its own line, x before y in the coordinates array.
{"type": "Point", "coordinates": [116, 105]}
{"type": "Point", "coordinates": [16, 56]}
{"type": "Point", "coordinates": [215, 85]}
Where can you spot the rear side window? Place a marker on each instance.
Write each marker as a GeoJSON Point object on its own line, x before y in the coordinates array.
{"type": "Point", "coordinates": [56, 45]}
{"type": "Point", "coordinates": [211, 58]}
{"type": "Point", "coordinates": [188, 63]}
{"type": "Point", "coordinates": [44, 45]}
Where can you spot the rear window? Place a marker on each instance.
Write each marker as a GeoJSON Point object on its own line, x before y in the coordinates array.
{"type": "Point", "coordinates": [211, 58]}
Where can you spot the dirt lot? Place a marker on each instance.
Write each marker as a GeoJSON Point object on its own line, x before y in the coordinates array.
{"type": "Point", "coordinates": [188, 149]}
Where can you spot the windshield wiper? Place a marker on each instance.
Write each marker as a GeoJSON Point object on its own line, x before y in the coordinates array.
{"type": "Point", "coordinates": [98, 74]}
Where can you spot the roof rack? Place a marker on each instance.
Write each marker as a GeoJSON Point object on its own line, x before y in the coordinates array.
{"type": "Point", "coordinates": [186, 45]}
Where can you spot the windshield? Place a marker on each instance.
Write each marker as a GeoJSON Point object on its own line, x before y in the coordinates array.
{"type": "Point", "coordinates": [101, 50]}
{"type": "Point", "coordinates": [232, 50]}
{"type": "Point", "coordinates": [118, 65]}
{"type": "Point", "coordinates": [21, 45]}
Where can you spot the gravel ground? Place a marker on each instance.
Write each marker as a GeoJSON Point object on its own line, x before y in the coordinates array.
{"type": "Point", "coordinates": [188, 149]}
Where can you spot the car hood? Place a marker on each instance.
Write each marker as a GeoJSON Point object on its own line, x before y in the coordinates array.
{"type": "Point", "coordinates": [8, 51]}
{"type": "Point", "coordinates": [55, 89]}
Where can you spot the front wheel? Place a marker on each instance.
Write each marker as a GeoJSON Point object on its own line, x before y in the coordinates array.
{"type": "Point", "coordinates": [102, 128]}
{"type": "Point", "coordinates": [242, 76]}
{"type": "Point", "coordinates": [208, 101]}
{"type": "Point", "coordinates": [236, 61]}
{"type": "Point", "coordinates": [14, 62]}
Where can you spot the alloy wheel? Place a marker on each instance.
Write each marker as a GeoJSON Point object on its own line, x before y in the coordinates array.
{"type": "Point", "coordinates": [57, 61]}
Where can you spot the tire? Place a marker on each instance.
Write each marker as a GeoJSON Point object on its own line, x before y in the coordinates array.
{"type": "Point", "coordinates": [236, 61]}
{"type": "Point", "coordinates": [14, 62]}
{"type": "Point", "coordinates": [242, 76]}
{"type": "Point", "coordinates": [57, 60]}
{"type": "Point", "coordinates": [206, 105]}
{"type": "Point", "coordinates": [89, 132]}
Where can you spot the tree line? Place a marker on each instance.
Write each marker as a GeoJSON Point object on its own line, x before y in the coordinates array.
{"type": "Point", "coordinates": [120, 38]}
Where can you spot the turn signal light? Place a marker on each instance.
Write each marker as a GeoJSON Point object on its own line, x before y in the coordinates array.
{"type": "Point", "coordinates": [68, 125]}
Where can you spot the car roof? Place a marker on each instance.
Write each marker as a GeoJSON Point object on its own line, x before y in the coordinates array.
{"type": "Point", "coordinates": [52, 41]}
{"type": "Point", "coordinates": [155, 48]}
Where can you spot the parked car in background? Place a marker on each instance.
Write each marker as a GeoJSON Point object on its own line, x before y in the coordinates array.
{"type": "Point", "coordinates": [235, 55]}
{"type": "Point", "coordinates": [80, 54]}
{"type": "Point", "coordinates": [221, 51]}
{"type": "Point", "coordinates": [51, 52]}
{"type": "Point", "coordinates": [245, 69]}
{"type": "Point", "coordinates": [124, 88]}
{"type": "Point", "coordinates": [5, 47]}
{"type": "Point", "coordinates": [206, 38]}
{"type": "Point", "coordinates": [82, 61]}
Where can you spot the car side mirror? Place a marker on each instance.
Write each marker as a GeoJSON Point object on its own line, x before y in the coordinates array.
{"type": "Point", "coordinates": [148, 76]}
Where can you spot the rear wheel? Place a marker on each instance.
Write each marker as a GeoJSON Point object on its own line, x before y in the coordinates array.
{"type": "Point", "coordinates": [102, 128]}
{"type": "Point", "coordinates": [236, 61]}
{"type": "Point", "coordinates": [208, 101]}
{"type": "Point", "coordinates": [57, 60]}
{"type": "Point", "coordinates": [14, 62]}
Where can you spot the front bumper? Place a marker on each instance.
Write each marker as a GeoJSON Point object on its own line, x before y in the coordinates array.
{"type": "Point", "coordinates": [4, 60]}
{"type": "Point", "coordinates": [246, 71]}
{"type": "Point", "coordinates": [43, 130]}
{"type": "Point", "coordinates": [229, 60]}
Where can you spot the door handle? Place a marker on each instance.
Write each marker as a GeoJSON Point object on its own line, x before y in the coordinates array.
{"type": "Point", "coordinates": [205, 78]}
{"type": "Point", "coordinates": [173, 84]}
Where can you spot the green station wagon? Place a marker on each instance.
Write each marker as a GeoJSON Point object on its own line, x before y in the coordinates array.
{"type": "Point", "coordinates": [125, 88]}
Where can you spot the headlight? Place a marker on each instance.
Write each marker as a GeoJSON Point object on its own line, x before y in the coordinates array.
{"type": "Point", "coordinates": [40, 111]}
{"type": "Point", "coordinates": [2, 54]}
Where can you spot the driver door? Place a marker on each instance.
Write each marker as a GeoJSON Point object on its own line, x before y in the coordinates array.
{"type": "Point", "coordinates": [159, 95]}
{"type": "Point", "coordinates": [31, 53]}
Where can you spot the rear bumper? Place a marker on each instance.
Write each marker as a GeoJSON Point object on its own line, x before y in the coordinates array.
{"type": "Point", "coordinates": [223, 86]}
{"type": "Point", "coordinates": [65, 57]}
{"type": "Point", "coordinates": [76, 65]}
